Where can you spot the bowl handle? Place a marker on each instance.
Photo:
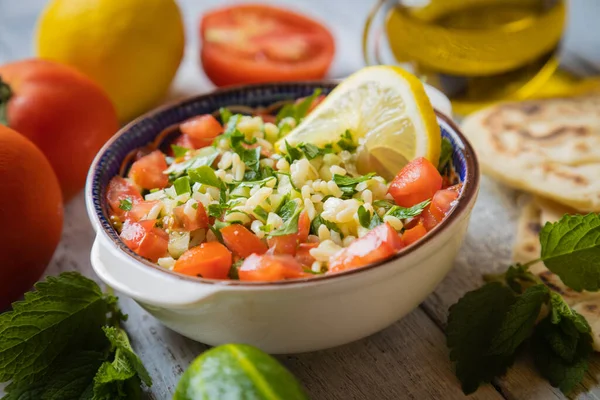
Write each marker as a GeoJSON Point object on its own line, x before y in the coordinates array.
{"type": "Point", "coordinates": [143, 283]}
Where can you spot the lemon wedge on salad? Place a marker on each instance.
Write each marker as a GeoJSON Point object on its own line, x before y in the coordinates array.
{"type": "Point", "coordinates": [388, 113]}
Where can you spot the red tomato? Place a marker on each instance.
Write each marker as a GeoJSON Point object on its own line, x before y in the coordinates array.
{"type": "Point", "coordinates": [269, 267]}
{"type": "Point", "coordinates": [200, 221]}
{"type": "Point", "coordinates": [427, 219]}
{"type": "Point", "coordinates": [140, 209]}
{"type": "Point", "coordinates": [413, 234]}
{"type": "Point", "coordinates": [145, 239]}
{"type": "Point", "coordinates": [210, 260]}
{"type": "Point", "coordinates": [287, 244]}
{"type": "Point", "coordinates": [379, 244]}
{"type": "Point", "coordinates": [201, 130]}
{"type": "Point", "coordinates": [443, 201]}
{"type": "Point", "coordinates": [184, 141]}
{"type": "Point", "coordinates": [120, 189]}
{"type": "Point", "coordinates": [252, 43]}
{"type": "Point", "coordinates": [303, 253]}
{"type": "Point", "coordinates": [241, 241]}
{"type": "Point", "coordinates": [416, 182]}
{"type": "Point", "coordinates": [147, 172]}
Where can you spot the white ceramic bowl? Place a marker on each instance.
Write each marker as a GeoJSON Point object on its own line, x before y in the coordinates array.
{"type": "Point", "coordinates": [280, 317]}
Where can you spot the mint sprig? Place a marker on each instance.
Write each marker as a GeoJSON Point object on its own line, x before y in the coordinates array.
{"type": "Point", "coordinates": [488, 327]}
{"type": "Point", "coordinates": [57, 342]}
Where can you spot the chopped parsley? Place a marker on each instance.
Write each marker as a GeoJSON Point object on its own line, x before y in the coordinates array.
{"type": "Point", "coordinates": [346, 141]}
{"type": "Point", "coordinates": [179, 151]}
{"type": "Point", "coordinates": [126, 204]}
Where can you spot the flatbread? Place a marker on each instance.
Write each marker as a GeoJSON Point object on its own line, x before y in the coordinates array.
{"type": "Point", "coordinates": [547, 147]}
{"type": "Point", "coordinates": [534, 215]}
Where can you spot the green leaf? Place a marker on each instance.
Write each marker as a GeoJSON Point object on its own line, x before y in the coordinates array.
{"type": "Point", "coordinates": [290, 225]}
{"type": "Point", "coordinates": [375, 221]}
{"type": "Point", "coordinates": [203, 157]}
{"type": "Point", "coordinates": [216, 210]}
{"type": "Point", "coordinates": [561, 311]}
{"type": "Point", "coordinates": [126, 204]}
{"type": "Point", "coordinates": [303, 107]}
{"type": "Point", "coordinates": [231, 125]}
{"type": "Point", "coordinates": [318, 221]}
{"type": "Point", "coordinates": [250, 184]}
{"type": "Point", "coordinates": [292, 153]}
{"type": "Point", "coordinates": [206, 176]}
{"type": "Point", "coordinates": [287, 210]}
{"type": "Point", "coordinates": [346, 142]}
{"type": "Point", "coordinates": [261, 213]}
{"type": "Point", "coordinates": [472, 323]}
{"type": "Point", "coordinates": [445, 154]}
{"type": "Point", "coordinates": [310, 150]}
{"type": "Point", "coordinates": [120, 341]}
{"type": "Point", "coordinates": [67, 379]}
{"type": "Point", "coordinates": [182, 185]}
{"type": "Point", "coordinates": [225, 115]}
{"type": "Point", "coordinates": [402, 213]}
{"type": "Point", "coordinates": [351, 181]}
{"type": "Point", "coordinates": [364, 217]}
{"type": "Point", "coordinates": [347, 192]}
{"type": "Point", "coordinates": [287, 110]}
{"type": "Point", "coordinates": [179, 151]}
{"type": "Point", "coordinates": [518, 322]}
{"type": "Point", "coordinates": [561, 373]}
{"type": "Point", "coordinates": [518, 277]}
{"type": "Point", "coordinates": [571, 249]}
{"type": "Point", "coordinates": [386, 204]}
{"type": "Point", "coordinates": [66, 311]}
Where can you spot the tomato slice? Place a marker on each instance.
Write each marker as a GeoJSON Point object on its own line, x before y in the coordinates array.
{"type": "Point", "coordinates": [379, 244]}
{"type": "Point", "coordinates": [145, 239]}
{"type": "Point", "coordinates": [270, 268]}
{"type": "Point", "coordinates": [252, 43]}
{"type": "Point", "coordinates": [198, 219]}
{"type": "Point", "coordinates": [201, 130]}
{"type": "Point", "coordinates": [416, 182]}
{"type": "Point", "coordinates": [413, 234]}
{"type": "Point", "coordinates": [120, 189]}
{"type": "Point", "coordinates": [241, 241]}
{"type": "Point", "coordinates": [147, 172]}
{"type": "Point", "coordinates": [210, 260]}
{"type": "Point", "coordinates": [303, 254]}
{"type": "Point", "coordinates": [287, 244]}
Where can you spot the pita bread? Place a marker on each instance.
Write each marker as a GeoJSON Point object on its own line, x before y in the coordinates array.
{"type": "Point", "coordinates": [548, 147]}
{"type": "Point", "coordinates": [534, 215]}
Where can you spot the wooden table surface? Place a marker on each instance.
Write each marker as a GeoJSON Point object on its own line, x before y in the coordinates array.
{"type": "Point", "coordinates": [408, 360]}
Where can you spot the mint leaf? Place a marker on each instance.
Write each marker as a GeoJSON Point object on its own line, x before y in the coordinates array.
{"type": "Point", "coordinates": [290, 224]}
{"type": "Point", "coordinates": [518, 277]}
{"type": "Point", "coordinates": [120, 341]}
{"type": "Point", "coordinates": [182, 185]}
{"type": "Point", "coordinates": [472, 323]}
{"type": "Point", "coordinates": [65, 311]}
{"type": "Point", "coordinates": [206, 176]}
{"type": "Point", "coordinates": [342, 180]}
{"type": "Point", "coordinates": [403, 213]}
{"type": "Point", "coordinates": [445, 154]}
{"type": "Point", "coordinates": [179, 151]}
{"type": "Point", "coordinates": [571, 249]}
{"type": "Point", "coordinates": [518, 322]}
{"type": "Point", "coordinates": [560, 372]}
{"type": "Point", "coordinates": [126, 204]}
{"type": "Point", "coordinates": [364, 217]}
{"type": "Point", "coordinates": [561, 311]}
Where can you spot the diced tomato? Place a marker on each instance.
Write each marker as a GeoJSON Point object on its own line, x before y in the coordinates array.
{"type": "Point", "coordinates": [287, 244]}
{"type": "Point", "coordinates": [210, 260]}
{"type": "Point", "coordinates": [147, 172]}
{"type": "Point", "coordinates": [250, 43]}
{"type": "Point", "coordinates": [141, 209]}
{"type": "Point", "coordinates": [201, 130]}
{"type": "Point", "coordinates": [443, 201]}
{"type": "Point", "coordinates": [427, 219]}
{"type": "Point", "coordinates": [184, 141]}
{"type": "Point", "coordinates": [120, 189]}
{"type": "Point", "coordinates": [241, 241]}
{"type": "Point", "coordinates": [270, 268]}
{"type": "Point", "coordinates": [303, 253]}
{"type": "Point", "coordinates": [413, 234]}
{"type": "Point", "coordinates": [145, 239]}
{"type": "Point", "coordinates": [199, 219]}
{"type": "Point", "coordinates": [416, 182]}
{"type": "Point", "coordinates": [379, 244]}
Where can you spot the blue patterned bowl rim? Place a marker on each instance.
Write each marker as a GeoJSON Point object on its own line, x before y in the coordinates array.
{"type": "Point", "coordinates": [144, 129]}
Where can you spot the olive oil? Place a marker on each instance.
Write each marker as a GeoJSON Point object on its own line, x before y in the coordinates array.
{"type": "Point", "coordinates": [479, 51]}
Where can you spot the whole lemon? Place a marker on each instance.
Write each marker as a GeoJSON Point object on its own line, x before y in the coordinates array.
{"type": "Point", "coordinates": [132, 48]}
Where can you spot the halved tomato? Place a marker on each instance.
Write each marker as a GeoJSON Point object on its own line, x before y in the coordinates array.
{"type": "Point", "coordinates": [416, 182]}
{"type": "Point", "coordinates": [241, 241]}
{"type": "Point", "coordinates": [145, 239]}
{"type": "Point", "coordinates": [269, 268]}
{"type": "Point", "coordinates": [252, 43]}
{"type": "Point", "coordinates": [120, 189]}
{"type": "Point", "coordinates": [210, 260]}
{"type": "Point", "coordinates": [379, 244]}
{"type": "Point", "coordinates": [197, 220]}
{"type": "Point", "coordinates": [147, 172]}
{"type": "Point", "coordinates": [201, 130]}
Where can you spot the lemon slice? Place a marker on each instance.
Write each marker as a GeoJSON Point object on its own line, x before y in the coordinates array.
{"type": "Point", "coordinates": [386, 109]}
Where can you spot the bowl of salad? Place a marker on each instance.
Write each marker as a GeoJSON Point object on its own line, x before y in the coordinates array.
{"type": "Point", "coordinates": [290, 216]}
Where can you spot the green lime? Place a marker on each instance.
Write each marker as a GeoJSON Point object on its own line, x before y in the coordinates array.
{"type": "Point", "coordinates": [236, 372]}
